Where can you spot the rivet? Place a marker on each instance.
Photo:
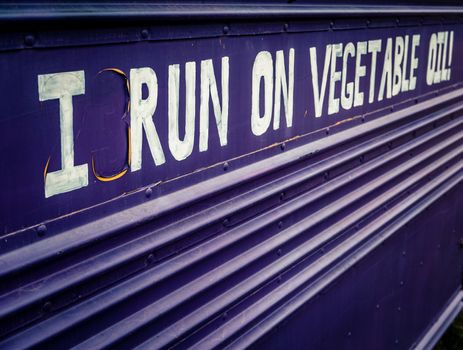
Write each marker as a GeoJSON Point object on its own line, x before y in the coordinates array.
{"type": "Point", "coordinates": [404, 253]}
{"type": "Point", "coordinates": [397, 20]}
{"type": "Point", "coordinates": [145, 33]}
{"type": "Point", "coordinates": [47, 306]}
{"type": "Point", "coordinates": [327, 131]}
{"type": "Point", "coordinates": [279, 252]}
{"type": "Point", "coordinates": [282, 196]}
{"type": "Point", "coordinates": [225, 166]}
{"type": "Point", "coordinates": [368, 22]}
{"type": "Point", "coordinates": [280, 224]}
{"type": "Point", "coordinates": [377, 306]}
{"type": "Point", "coordinates": [41, 230]}
{"type": "Point", "coordinates": [148, 192]}
{"type": "Point", "coordinates": [226, 29]}
{"type": "Point", "coordinates": [150, 259]}
{"type": "Point", "coordinates": [226, 222]}
{"type": "Point", "coordinates": [286, 27]}
{"type": "Point", "coordinates": [224, 315]}
{"type": "Point", "coordinates": [399, 309]}
{"type": "Point", "coordinates": [401, 283]}
{"type": "Point", "coordinates": [331, 24]}
{"type": "Point", "coordinates": [283, 146]}
{"type": "Point", "coordinates": [29, 40]}
{"type": "Point", "coordinates": [349, 334]}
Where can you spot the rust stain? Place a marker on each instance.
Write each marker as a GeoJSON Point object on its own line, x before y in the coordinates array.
{"type": "Point", "coordinates": [108, 178]}
{"type": "Point", "coordinates": [344, 121]}
{"type": "Point", "coordinates": [45, 170]}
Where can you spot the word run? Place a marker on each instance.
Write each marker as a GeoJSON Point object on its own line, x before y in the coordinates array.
{"type": "Point", "coordinates": [63, 86]}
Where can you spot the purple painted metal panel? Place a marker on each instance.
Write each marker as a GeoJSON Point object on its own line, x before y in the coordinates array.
{"type": "Point", "coordinates": [100, 133]}
{"type": "Point", "coordinates": [338, 227]}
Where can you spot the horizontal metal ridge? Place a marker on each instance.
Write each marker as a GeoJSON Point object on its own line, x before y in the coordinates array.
{"type": "Point", "coordinates": [428, 196]}
{"type": "Point", "coordinates": [351, 251]}
{"type": "Point", "coordinates": [92, 267]}
{"type": "Point", "coordinates": [128, 11]}
{"type": "Point", "coordinates": [78, 238]}
{"type": "Point", "coordinates": [96, 303]}
{"type": "Point", "coordinates": [221, 302]}
{"type": "Point", "coordinates": [429, 340]}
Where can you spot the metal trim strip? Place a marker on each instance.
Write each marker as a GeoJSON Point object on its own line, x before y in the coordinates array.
{"type": "Point", "coordinates": [437, 329]}
{"type": "Point", "coordinates": [123, 11]}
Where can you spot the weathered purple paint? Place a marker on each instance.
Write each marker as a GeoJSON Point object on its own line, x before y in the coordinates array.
{"type": "Point", "coordinates": [342, 231]}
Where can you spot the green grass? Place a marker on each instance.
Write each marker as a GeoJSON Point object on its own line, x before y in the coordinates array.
{"type": "Point", "coordinates": [453, 337]}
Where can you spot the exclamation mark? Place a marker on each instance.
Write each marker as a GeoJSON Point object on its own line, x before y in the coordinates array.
{"type": "Point", "coordinates": [445, 72]}
{"type": "Point", "coordinates": [450, 54]}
